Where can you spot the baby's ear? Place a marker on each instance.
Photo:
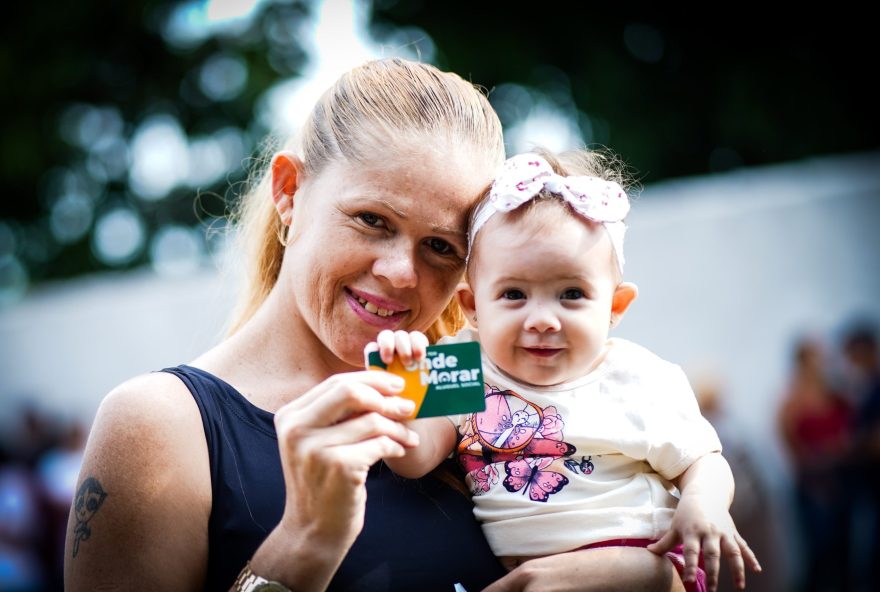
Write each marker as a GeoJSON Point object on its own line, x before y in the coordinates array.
{"type": "Point", "coordinates": [286, 177]}
{"type": "Point", "coordinates": [466, 300]}
{"type": "Point", "coordinates": [624, 295]}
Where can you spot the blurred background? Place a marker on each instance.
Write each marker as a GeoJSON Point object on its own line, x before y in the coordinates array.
{"type": "Point", "coordinates": [130, 129]}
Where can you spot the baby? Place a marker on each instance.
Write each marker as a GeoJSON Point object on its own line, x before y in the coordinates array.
{"type": "Point", "coordinates": [583, 437]}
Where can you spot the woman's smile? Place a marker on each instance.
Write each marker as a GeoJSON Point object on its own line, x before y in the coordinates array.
{"type": "Point", "coordinates": [375, 310]}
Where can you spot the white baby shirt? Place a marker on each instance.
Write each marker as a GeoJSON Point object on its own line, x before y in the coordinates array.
{"type": "Point", "coordinates": [555, 468]}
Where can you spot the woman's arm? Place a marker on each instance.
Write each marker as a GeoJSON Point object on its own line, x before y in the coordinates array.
{"type": "Point", "coordinates": [140, 520]}
{"type": "Point", "coordinates": [606, 569]}
{"type": "Point", "coordinates": [140, 516]}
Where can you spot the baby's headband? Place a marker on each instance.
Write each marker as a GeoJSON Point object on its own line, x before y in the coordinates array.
{"type": "Point", "coordinates": [522, 178]}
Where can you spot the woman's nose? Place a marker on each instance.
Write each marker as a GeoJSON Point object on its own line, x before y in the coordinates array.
{"type": "Point", "coordinates": [542, 319]}
{"type": "Point", "coordinates": [398, 266]}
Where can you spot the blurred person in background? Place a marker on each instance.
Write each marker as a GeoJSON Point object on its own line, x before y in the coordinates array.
{"type": "Point", "coordinates": [39, 464]}
{"type": "Point", "coordinates": [33, 503]}
{"type": "Point", "coordinates": [55, 474]}
{"type": "Point", "coordinates": [861, 385]}
{"type": "Point", "coordinates": [815, 424]}
{"type": "Point", "coordinates": [21, 528]}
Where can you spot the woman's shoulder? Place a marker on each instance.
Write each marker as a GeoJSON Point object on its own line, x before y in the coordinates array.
{"type": "Point", "coordinates": [151, 420]}
{"type": "Point", "coordinates": [145, 477]}
{"type": "Point", "coordinates": [156, 397]}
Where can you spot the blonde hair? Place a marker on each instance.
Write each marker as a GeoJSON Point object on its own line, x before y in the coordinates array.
{"type": "Point", "coordinates": [369, 107]}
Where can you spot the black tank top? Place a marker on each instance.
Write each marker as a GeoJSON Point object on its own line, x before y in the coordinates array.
{"type": "Point", "coordinates": [418, 534]}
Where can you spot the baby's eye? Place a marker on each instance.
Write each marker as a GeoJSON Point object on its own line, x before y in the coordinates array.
{"type": "Point", "coordinates": [573, 294]}
{"type": "Point", "coordinates": [371, 220]}
{"type": "Point", "coordinates": [513, 294]}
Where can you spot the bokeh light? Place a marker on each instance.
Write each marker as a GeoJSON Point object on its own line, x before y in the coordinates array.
{"type": "Point", "coordinates": [176, 250]}
{"type": "Point", "coordinates": [13, 279]}
{"type": "Point", "coordinates": [71, 217]}
{"type": "Point", "coordinates": [223, 77]}
{"type": "Point", "coordinates": [159, 157]}
{"type": "Point", "coordinates": [119, 236]}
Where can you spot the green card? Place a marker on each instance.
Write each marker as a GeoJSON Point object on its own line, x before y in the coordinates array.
{"type": "Point", "coordinates": [448, 381]}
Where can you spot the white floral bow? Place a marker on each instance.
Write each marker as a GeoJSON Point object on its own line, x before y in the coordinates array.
{"type": "Point", "coordinates": [522, 178]}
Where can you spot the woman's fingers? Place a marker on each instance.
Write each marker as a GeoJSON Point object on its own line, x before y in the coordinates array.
{"type": "Point", "coordinates": [365, 427]}
{"type": "Point", "coordinates": [344, 395]}
{"type": "Point", "coordinates": [366, 453]}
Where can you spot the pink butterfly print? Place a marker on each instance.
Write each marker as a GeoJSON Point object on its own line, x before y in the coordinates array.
{"type": "Point", "coordinates": [481, 480]}
{"type": "Point", "coordinates": [472, 463]}
{"type": "Point", "coordinates": [511, 428]}
{"type": "Point", "coordinates": [471, 460]}
{"type": "Point", "coordinates": [511, 423]}
{"type": "Point", "coordinates": [502, 428]}
{"type": "Point", "coordinates": [529, 474]}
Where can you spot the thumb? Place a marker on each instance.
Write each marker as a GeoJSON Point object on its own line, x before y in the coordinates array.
{"type": "Point", "coordinates": [667, 542]}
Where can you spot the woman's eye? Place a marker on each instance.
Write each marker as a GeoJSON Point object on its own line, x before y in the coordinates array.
{"type": "Point", "coordinates": [513, 294]}
{"type": "Point", "coordinates": [371, 220]}
{"type": "Point", "coordinates": [440, 246]}
{"type": "Point", "coordinates": [573, 294]}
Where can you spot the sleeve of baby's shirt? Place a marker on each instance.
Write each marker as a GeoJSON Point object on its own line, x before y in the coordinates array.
{"type": "Point", "coordinates": [678, 434]}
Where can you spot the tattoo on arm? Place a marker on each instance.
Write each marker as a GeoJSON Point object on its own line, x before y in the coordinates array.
{"type": "Point", "coordinates": [88, 501]}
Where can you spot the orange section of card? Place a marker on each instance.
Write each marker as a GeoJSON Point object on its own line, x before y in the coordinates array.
{"type": "Point", "coordinates": [414, 389]}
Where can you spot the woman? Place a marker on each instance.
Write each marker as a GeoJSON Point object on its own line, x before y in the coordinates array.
{"type": "Point", "coordinates": [260, 457]}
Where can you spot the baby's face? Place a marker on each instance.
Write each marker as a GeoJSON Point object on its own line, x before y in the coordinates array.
{"type": "Point", "coordinates": [543, 296]}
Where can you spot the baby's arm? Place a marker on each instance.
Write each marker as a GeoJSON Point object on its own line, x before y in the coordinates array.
{"type": "Point", "coordinates": [436, 441]}
{"type": "Point", "coordinates": [702, 521]}
{"type": "Point", "coordinates": [437, 435]}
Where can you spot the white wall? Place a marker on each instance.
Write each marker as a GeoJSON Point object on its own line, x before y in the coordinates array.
{"type": "Point", "coordinates": [67, 344]}
{"type": "Point", "coordinates": [733, 268]}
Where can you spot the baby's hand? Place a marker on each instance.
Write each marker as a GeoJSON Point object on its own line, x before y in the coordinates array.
{"type": "Point", "coordinates": [409, 347]}
{"type": "Point", "coordinates": [699, 524]}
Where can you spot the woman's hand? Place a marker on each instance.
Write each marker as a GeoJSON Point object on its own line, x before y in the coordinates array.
{"type": "Point", "coordinates": [328, 439]}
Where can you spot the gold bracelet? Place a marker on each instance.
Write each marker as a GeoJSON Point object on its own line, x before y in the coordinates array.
{"type": "Point", "coordinates": [248, 581]}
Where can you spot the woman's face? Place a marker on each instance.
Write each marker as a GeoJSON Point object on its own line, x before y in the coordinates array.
{"type": "Point", "coordinates": [379, 245]}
